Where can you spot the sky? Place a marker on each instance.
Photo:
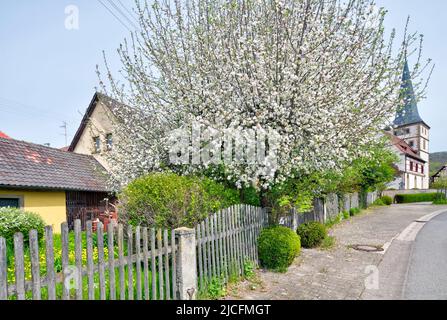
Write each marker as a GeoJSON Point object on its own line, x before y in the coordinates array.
{"type": "Point", "coordinates": [47, 71]}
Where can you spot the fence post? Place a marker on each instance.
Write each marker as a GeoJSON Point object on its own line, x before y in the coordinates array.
{"type": "Point", "coordinates": [186, 264]}
{"type": "Point", "coordinates": [294, 219]}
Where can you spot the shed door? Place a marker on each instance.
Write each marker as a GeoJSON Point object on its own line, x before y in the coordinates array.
{"type": "Point", "coordinates": [9, 202]}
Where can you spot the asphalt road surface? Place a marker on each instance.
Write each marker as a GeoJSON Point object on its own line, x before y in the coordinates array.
{"type": "Point", "coordinates": [427, 272]}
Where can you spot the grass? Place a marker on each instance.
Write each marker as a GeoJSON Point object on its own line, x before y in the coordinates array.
{"type": "Point", "coordinates": [58, 269]}
{"type": "Point", "coordinates": [217, 287]}
{"type": "Point", "coordinates": [328, 243]}
{"type": "Point", "coordinates": [440, 201]}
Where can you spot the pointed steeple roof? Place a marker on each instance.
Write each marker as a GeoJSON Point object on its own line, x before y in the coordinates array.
{"type": "Point", "coordinates": [409, 114]}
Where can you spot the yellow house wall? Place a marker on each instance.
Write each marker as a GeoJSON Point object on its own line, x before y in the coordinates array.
{"type": "Point", "coordinates": [50, 205]}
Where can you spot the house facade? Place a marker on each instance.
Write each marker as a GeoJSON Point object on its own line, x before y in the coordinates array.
{"type": "Point", "coordinates": [410, 139]}
{"type": "Point", "coordinates": [440, 174]}
{"type": "Point", "coordinates": [59, 186]}
{"type": "Point", "coordinates": [410, 168]}
{"type": "Point", "coordinates": [94, 136]}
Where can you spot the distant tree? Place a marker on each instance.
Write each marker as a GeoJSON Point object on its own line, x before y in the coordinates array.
{"type": "Point", "coordinates": [441, 185]}
{"type": "Point", "coordinates": [319, 73]}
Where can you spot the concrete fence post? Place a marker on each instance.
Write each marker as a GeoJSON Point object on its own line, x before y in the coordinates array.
{"type": "Point", "coordinates": [294, 220]}
{"type": "Point", "coordinates": [186, 264]}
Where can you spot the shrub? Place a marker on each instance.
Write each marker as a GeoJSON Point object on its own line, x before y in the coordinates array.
{"type": "Point", "coordinates": [416, 197]}
{"type": "Point", "coordinates": [387, 200]}
{"type": "Point", "coordinates": [250, 196]}
{"type": "Point", "coordinates": [168, 200]}
{"type": "Point", "coordinates": [278, 246]}
{"type": "Point", "coordinates": [312, 234]}
{"type": "Point", "coordinates": [14, 220]}
{"type": "Point", "coordinates": [379, 202]}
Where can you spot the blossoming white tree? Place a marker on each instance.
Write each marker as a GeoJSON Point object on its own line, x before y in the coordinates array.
{"type": "Point", "coordinates": [320, 73]}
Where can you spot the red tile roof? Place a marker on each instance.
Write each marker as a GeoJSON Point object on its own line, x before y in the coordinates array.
{"type": "Point", "coordinates": [32, 166]}
{"type": "Point", "coordinates": [404, 147]}
{"type": "Point", "coordinates": [4, 135]}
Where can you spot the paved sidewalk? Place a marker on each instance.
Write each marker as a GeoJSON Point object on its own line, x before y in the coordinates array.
{"type": "Point", "coordinates": [340, 273]}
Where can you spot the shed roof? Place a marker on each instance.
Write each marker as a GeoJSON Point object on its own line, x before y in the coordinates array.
{"type": "Point", "coordinates": [28, 165]}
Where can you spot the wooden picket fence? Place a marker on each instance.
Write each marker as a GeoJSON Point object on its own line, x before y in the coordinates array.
{"type": "Point", "coordinates": [226, 240]}
{"type": "Point", "coordinates": [140, 264]}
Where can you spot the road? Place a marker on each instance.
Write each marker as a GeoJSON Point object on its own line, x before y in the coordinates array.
{"type": "Point", "coordinates": [427, 272]}
{"type": "Point", "coordinates": [342, 272]}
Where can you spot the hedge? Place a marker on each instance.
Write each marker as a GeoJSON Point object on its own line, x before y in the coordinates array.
{"type": "Point", "coordinates": [167, 200]}
{"type": "Point", "coordinates": [416, 197]}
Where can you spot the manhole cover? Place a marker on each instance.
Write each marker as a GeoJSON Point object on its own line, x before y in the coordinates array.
{"type": "Point", "coordinates": [367, 248]}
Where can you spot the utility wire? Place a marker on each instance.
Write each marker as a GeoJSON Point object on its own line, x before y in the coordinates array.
{"type": "Point", "coordinates": [131, 14]}
{"type": "Point", "coordinates": [123, 14]}
{"type": "Point", "coordinates": [16, 104]}
{"type": "Point", "coordinates": [113, 14]}
{"type": "Point", "coordinates": [31, 112]}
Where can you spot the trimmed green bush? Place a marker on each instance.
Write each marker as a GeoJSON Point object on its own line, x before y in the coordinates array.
{"type": "Point", "coordinates": [387, 200]}
{"type": "Point", "coordinates": [277, 247]}
{"type": "Point", "coordinates": [13, 220]}
{"type": "Point", "coordinates": [167, 200]}
{"type": "Point", "coordinates": [379, 202]}
{"type": "Point", "coordinates": [417, 197]}
{"type": "Point", "coordinates": [311, 234]}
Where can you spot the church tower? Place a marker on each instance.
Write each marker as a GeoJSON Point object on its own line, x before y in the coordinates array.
{"type": "Point", "coordinates": [409, 126]}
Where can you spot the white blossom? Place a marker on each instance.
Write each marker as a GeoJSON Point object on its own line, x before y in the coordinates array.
{"type": "Point", "coordinates": [320, 73]}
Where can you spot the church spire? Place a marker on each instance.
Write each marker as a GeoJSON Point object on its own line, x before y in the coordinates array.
{"type": "Point", "coordinates": [409, 114]}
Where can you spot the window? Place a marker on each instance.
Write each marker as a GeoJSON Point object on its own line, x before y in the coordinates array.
{"type": "Point", "coordinates": [411, 144]}
{"type": "Point", "coordinates": [411, 165]}
{"type": "Point", "coordinates": [109, 141]}
{"type": "Point", "coordinates": [9, 202]}
{"type": "Point", "coordinates": [417, 167]}
{"type": "Point", "coordinates": [422, 169]}
{"type": "Point", "coordinates": [425, 145]}
{"type": "Point", "coordinates": [97, 144]}
{"type": "Point", "coordinates": [407, 131]}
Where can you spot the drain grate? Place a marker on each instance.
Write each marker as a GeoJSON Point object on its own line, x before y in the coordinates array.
{"type": "Point", "coordinates": [367, 248]}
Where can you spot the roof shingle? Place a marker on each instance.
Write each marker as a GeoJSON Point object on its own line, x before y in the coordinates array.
{"type": "Point", "coordinates": [404, 147]}
{"type": "Point", "coordinates": [28, 165]}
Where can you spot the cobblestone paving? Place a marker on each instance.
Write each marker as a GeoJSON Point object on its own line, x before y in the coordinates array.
{"type": "Point", "coordinates": [338, 273]}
